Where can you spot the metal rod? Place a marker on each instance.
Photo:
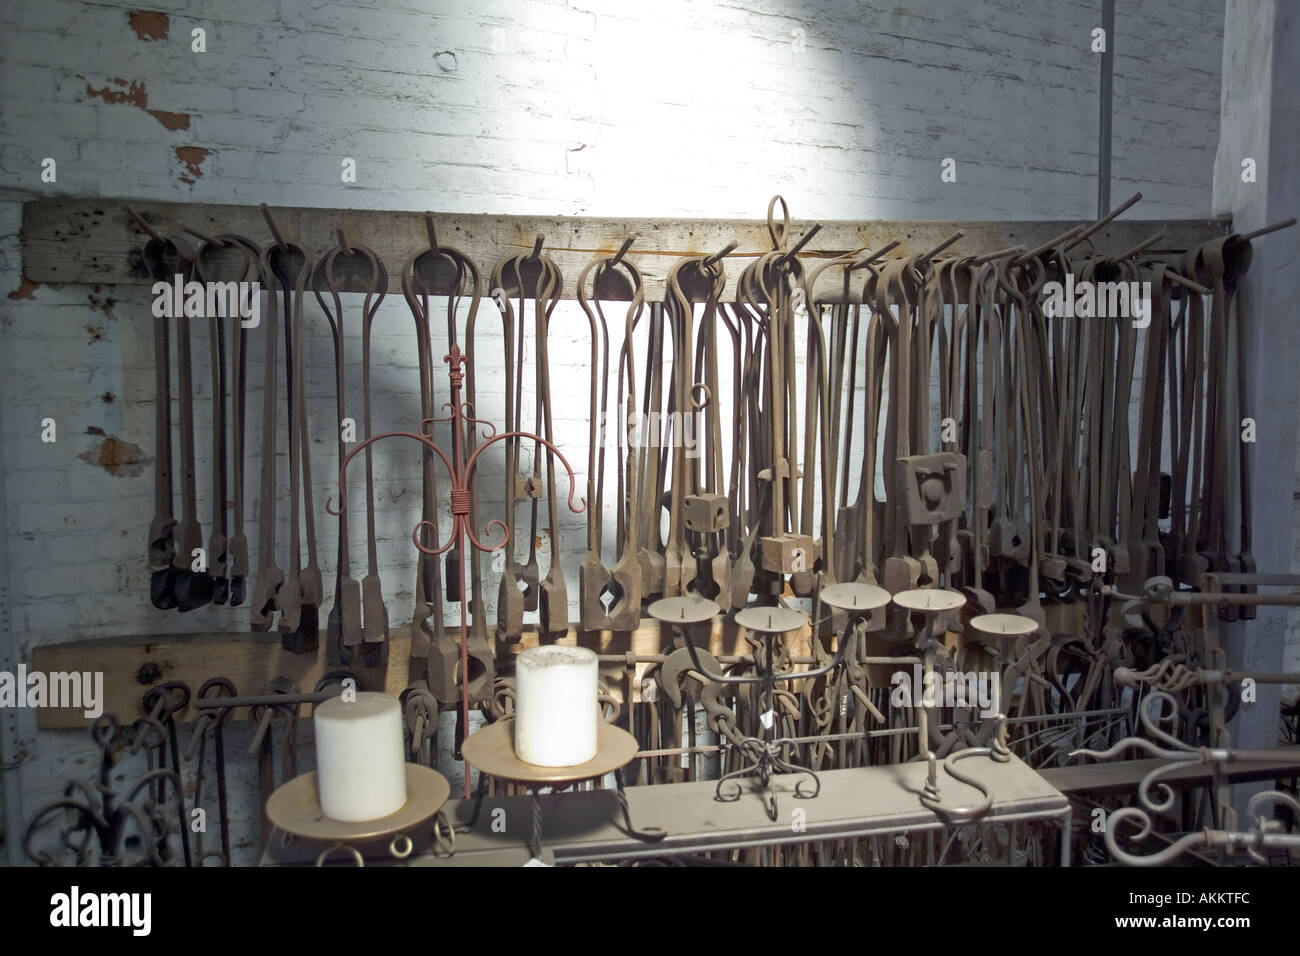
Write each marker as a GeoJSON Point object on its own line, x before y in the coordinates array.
{"type": "Point", "coordinates": [940, 247]}
{"type": "Point", "coordinates": [622, 250]}
{"type": "Point", "coordinates": [431, 232]}
{"type": "Point", "coordinates": [140, 221]}
{"type": "Point", "coordinates": [1150, 240]}
{"type": "Point", "coordinates": [1000, 254]}
{"type": "Point", "coordinates": [1105, 220]}
{"type": "Point", "coordinates": [1284, 224]}
{"type": "Point", "coordinates": [719, 256]}
{"type": "Point", "coordinates": [206, 238]}
{"type": "Point", "coordinates": [1051, 243]}
{"type": "Point", "coordinates": [801, 243]}
{"type": "Point", "coordinates": [863, 263]}
{"type": "Point", "coordinates": [343, 241]}
{"type": "Point", "coordinates": [270, 224]}
{"type": "Point", "coordinates": [1106, 102]}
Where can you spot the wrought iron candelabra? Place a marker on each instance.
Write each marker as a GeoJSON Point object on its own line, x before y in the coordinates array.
{"type": "Point", "coordinates": [460, 470]}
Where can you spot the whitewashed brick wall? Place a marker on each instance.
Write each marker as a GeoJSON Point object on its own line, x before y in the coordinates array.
{"type": "Point", "coordinates": [586, 107]}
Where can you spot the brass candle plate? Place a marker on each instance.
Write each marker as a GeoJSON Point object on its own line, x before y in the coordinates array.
{"type": "Point", "coordinates": [930, 600]}
{"type": "Point", "coordinates": [854, 596]}
{"type": "Point", "coordinates": [688, 609]}
{"type": "Point", "coordinates": [1003, 625]}
{"type": "Point", "coordinates": [295, 808]}
{"type": "Point", "coordinates": [491, 750]}
{"type": "Point", "coordinates": [770, 620]}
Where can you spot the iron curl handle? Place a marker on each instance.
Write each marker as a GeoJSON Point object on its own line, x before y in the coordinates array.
{"type": "Point", "coordinates": [529, 436]}
{"type": "Point", "coordinates": [343, 488]}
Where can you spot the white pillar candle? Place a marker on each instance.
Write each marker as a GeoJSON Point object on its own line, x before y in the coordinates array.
{"type": "Point", "coordinates": [555, 706]}
{"type": "Point", "coordinates": [360, 763]}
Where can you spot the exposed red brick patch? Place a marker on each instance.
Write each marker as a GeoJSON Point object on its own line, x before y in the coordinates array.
{"type": "Point", "coordinates": [119, 458]}
{"type": "Point", "coordinates": [192, 158]}
{"type": "Point", "coordinates": [135, 94]}
{"type": "Point", "coordinates": [26, 289]}
{"type": "Point", "coordinates": [149, 24]}
{"type": "Point", "coordinates": [171, 120]}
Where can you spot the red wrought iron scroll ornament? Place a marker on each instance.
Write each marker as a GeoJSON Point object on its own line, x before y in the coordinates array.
{"type": "Point", "coordinates": [460, 472]}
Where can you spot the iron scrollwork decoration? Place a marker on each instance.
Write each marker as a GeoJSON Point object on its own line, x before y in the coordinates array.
{"type": "Point", "coordinates": [1263, 833]}
{"type": "Point", "coordinates": [460, 471]}
{"type": "Point", "coordinates": [764, 757]}
{"type": "Point", "coordinates": [93, 821]}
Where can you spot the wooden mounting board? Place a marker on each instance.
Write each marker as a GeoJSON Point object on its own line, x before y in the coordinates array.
{"type": "Point", "coordinates": [90, 241]}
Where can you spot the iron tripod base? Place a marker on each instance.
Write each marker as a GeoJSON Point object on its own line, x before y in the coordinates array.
{"type": "Point", "coordinates": [765, 758]}
{"type": "Point", "coordinates": [651, 834]}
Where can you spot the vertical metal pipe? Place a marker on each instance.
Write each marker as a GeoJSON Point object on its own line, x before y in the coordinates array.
{"type": "Point", "coordinates": [10, 761]}
{"type": "Point", "coordinates": [1106, 98]}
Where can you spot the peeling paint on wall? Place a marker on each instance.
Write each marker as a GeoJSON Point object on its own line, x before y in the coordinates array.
{"type": "Point", "coordinates": [135, 94]}
{"type": "Point", "coordinates": [171, 120]}
{"type": "Point", "coordinates": [26, 289]}
{"type": "Point", "coordinates": [149, 25]}
{"type": "Point", "coordinates": [192, 157]}
{"type": "Point", "coordinates": [122, 459]}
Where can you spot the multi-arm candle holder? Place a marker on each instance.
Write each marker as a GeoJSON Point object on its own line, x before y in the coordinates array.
{"type": "Point", "coordinates": [460, 471]}
{"type": "Point", "coordinates": [765, 755]}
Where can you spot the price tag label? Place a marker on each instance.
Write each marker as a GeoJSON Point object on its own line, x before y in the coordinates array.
{"type": "Point", "coordinates": [767, 717]}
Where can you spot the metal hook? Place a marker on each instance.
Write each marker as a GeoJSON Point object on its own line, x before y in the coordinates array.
{"type": "Point", "coordinates": [709, 261]}
{"type": "Point", "coordinates": [1103, 220]}
{"type": "Point", "coordinates": [1050, 244]}
{"type": "Point", "coordinates": [537, 248]}
{"type": "Point", "coordinates": [275, 230]}
{"type": "Point", "coordinates": [206, 238]}
{"type": "Point", "coordinates": [622, 250]}
{"type": "Point", "coordinates": [800, 244]}
{"type": "Point", "coordinates": [432, 233]}
{"type": "Point", "coordinates": [1148, 241]}
{"type": "Point", "coordinates": [343, 241]}
{"type": "Point", "coordinates": [1000, 254]}
{"type": "Point", "coordinates": [140, 221]}
{"type": "Point", "coordinates": [940, 247]}
{"type": "Point", "coordinates": [1284, 224]}
{"type": "Point", "coordinates": [879, 253]}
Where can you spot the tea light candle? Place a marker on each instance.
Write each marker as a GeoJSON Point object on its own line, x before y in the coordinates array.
{"type": "Point", "coordinates": [555, 706]}
{"type": "Point", "coordinates": [360, 764]}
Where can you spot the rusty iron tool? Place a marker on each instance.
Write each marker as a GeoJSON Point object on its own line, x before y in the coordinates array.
{"type": "Point", "coordinates": [209, 268]}
{"type": "Point", "coordinates": [164, 258]}
{"type": "Point", "coordinates": [299, 596]}
{"type": "Point", "coordinates": [696, 507]}
{"type": "Point", "coordinates": [193, 588]}
{"type": "Point", "coordinates": [374, 610]}
{"type": "Point", "coordinates": [237, 544]}
{"type": "Point", "coordinates": [553, 598]}
{"type": "Point", "coordinates": [649, 470]}
{"type": "Point", "coordinates": [445, 271]}
{"type": "Point", "coordinates": [610, 599]}
{"type": "Point", "coordinates": [426, 273]}
{"type": "Point", "coordinates": [270, 578]}
{"type": "Point", "coordinates": [343, 269]}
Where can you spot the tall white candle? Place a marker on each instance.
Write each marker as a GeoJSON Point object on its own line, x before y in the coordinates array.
{"type": "Point", "coordinates": [361, 767]}
{"type": "Point", "coordinates": [555, 706]}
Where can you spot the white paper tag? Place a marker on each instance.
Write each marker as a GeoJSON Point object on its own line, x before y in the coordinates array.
{"type": "Point", "coordinates": [649, 690]}
{"type": "Point", "coordinates": [533, 861]}
{"type": "Point", "coordinates": [766, 718]}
